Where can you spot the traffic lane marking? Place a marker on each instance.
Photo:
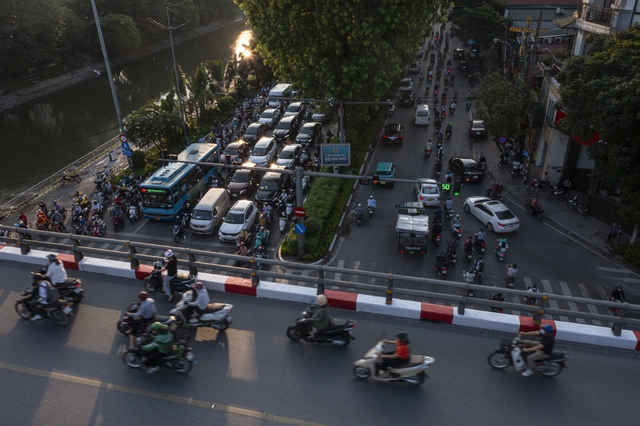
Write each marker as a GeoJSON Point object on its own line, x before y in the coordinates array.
{"type": "Point", "coordinates": [156, 395]}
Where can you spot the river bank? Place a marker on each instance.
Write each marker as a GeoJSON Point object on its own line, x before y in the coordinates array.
{"type": "Point", "coordinates": [46, 87]}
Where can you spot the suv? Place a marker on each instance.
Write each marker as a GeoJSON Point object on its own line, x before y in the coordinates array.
{"type": "Point", "coordinates": [287, 128]}
{"type": "Point", "coordinates": [243, 182]}
{"type": "Point", "coordinates": [264, 152]}
{"type": "Point", "coordinates": [236, 152]}
{"type": "Point", "coordinates": [385, 171]}
{"type": "Point", "coordinates": [254, 132]}
{"type": "Point", "coordinates": [393, 133]}
{"type": "Point", "coordinates": [295, 108]}
{"type": "Point", "coordinates": [310, 133]}
{"type": "Point", "coordinates": [241, 216]}
{"type": "Point", "coordinates": [271, 185]}
{"type": "Point", "coordinates": [466, 169]}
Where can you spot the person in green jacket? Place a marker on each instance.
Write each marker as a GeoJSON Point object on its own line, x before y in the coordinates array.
{"type": "Point", "coordinates": [321, 318]}
{"type": "Point", "coordinates": [160, 346]}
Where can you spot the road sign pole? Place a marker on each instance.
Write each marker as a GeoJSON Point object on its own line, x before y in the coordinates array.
{"type": "Point", "coordinates": [299, 201]}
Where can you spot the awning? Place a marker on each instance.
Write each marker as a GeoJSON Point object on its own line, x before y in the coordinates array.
{"type": "Point", "coordinates": [595, 136]}
{"type": "Point", "coordinates": [567, 23]}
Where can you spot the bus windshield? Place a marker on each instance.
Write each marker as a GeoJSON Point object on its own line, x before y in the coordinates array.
{"type": "Point", "coordinates": [160, 199]}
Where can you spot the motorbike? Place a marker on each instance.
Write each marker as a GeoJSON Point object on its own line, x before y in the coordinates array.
{"type": "Point", "coordinates": [178, 285]}
{"type": "Point", "coordinates": [510, 280]}
{"type": "Point", "coordinates": [359, 218]}
{"type": "Point", "coordinates": [436, 232]}
{"type": "Point", "coordinates": [413, 372]}
{"type": "Point", "coordinates": [179, 231]}
{"type": "Point", "coordinates": [536, 211]}
{"type": "Point", "coordinates": [127, 327]}
{"type": "Point", "coordinates": [443, 114]}
{"type": "Point", "coordinates": [117, 220]}
{"type": "Point", "coordinates": [468, 255]}
{"type": "Point", "coordinates": [59, 312]}
{"type": "Point", "coordinates": [480, 245]}
{"type": "Point", "coordinates": [180, 359]}
{"type": "Point", "coordinates": [531, 300]}
{"type": "Point", "coordinates": [442, 262]}
{"type": "Point", "coordinates": [70, 290]}
{"type": "Point", "coordinates": [452, 110]}
{"type": "Point", "coordinates": [491, 194]}
{"type": "Point", "coordinates": [392, 110]}
{"type": "Point", "coordinates": [371, 210]}
{"type": "Point", "coordinates": [448, 213]}
{"type": "Point", "coordinates": [510, 353]}
{"type": "Point", "coordinates": [57, 224]}
{"type": "Point", "coordinates": [339, 332]}
{"type": "Point", "coordinates": [543, 185]}
{"type": "Point", "coordinates": [282, 224]}
{"type": "Point", "coordinates": [559, 191]}
{"type": "Point", "coordinates": [468, 278]}
{"type": "Point", "coordinates": [74, 178]}
{"type": "Point", "coordinates": [468, 105]}
{"type": "Point", "coordinates": [581, 207]}
{"type": "Point", "coordinates": [500, 251]}
{"type": "Point", "coordinates": [427, 151]}
{"type": "Point", "coordinates": [217, 315]}
{"type": "Point", "coordinates": [437, 168]}
{"type": "Point", "coordinates": [504, 161]}
{"type": "Point", "coordinates": [99, 227]}
{"type": "Point", "coordinates": [134, 212]}
{"type": "Point", "coordinates": [615, 311]}
{"type": "Point", "coordinates": [478, 273]}
{"type": "Point", "coordinates": [258, 242]}
{"type": "Point", "coordinates": [517, 172]}
{"type": "Point", "coordinates": [456, 230]}
{"type": "Point", "coordinates": [447, 133]}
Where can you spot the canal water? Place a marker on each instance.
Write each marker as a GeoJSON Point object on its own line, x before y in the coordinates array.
{"type": "Point", "coordinates": [43, 136]}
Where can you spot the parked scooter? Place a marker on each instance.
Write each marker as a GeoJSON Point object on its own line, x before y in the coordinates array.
{"type": "Point", "coordinates": [581, 207]}
{"type": "Point", "coordinates": [543, 185]}
{"type": "Point", "coordinates": [339, 333]}
{"type": "Point", "coordinates": [217, 315]}
{"type": "Point", "coordinates": [413, 372]}
{"type": "Point", "coordinates": [510, 353]}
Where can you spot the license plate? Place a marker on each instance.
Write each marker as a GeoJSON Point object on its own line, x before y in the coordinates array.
{"type": "Point", "coordinates": [430, 199]}
{"type": "Point", "coordinates": [78, 290]}
{"type": "Point", "coordinates": [477, 133]}
{"type": "Point", "coordinates": [189, 356]}
{"type": "Point", "coordinates": [392, 139]}
{"type": "Point", "coordinates": [157, 218]}
{"type": "Point", "coordinates": [66, 310]}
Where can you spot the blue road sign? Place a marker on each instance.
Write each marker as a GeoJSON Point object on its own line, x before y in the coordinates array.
{"type": "Point", "coordinates": [502, 140]}
{"type": "Point", "coordinates": [335, 154]}
{"type": "Point", "coordinates": [300, 228]}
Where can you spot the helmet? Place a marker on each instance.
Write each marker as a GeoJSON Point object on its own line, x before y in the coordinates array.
{"type": "Point", "coordinates": [402, 336]}
{"type": "Point", "coordinates": [156, 326]}
{"type": "Point", "coordinates": [481, 229]}
{"type": "Point", "coordinates": [546, 329]}
{"type": "Point", "coordinates": [479, 257]}
{"type": "Point", "coordinates": [371, 197]}
{"type": "Point", "coordinates": [534, 285]}
{"type": "Point", "coordinates": [359, 204]}
{"type": "Point", "coordinates": [457, 216]}
{"type": "Point", "coordinates": [168, 253]}
{"type": "Point", "coordinates": [157, 264]}
{"type": "Point", "coordinates": [620, 287]}
{"type": "Point", "coordinates": [500, 184]}
{"type": "Point", "coordinates": [143, 295]}
{"type": "Point", "coordinates": [55, 201]}
{"type": "Point", "coordinates": [198, 286]}
{"type": "Point", "coordinates": [262, 228]}
{"type": "Point", "coordinates": [321, 299]}
{"type": "Point", "coordinates": [283, 214]}
{"type": "Point", "coordinates": [52, 257]}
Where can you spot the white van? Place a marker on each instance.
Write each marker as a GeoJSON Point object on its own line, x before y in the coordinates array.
{"type": "Point", "coordinates": [209, 212]}
{"type": "Point", "coordinates": [422, 115]}
{"type": "Point", "coordinates": [282, 90]}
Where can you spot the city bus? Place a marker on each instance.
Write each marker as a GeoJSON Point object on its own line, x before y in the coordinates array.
{"type": "Point", "coordinates": [168, 188]}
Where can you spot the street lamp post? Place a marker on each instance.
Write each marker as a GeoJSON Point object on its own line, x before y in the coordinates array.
{"type": "Point", "coordinates": [504, 55]}
{"type": "Point", "coordinates": [169, 28]}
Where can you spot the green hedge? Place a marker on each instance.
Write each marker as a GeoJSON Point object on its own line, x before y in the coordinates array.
{"type": "Point", "coordinates": [630, 254]}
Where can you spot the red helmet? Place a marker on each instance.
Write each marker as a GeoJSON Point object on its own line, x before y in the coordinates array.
{"type": "Point", "coordinates": [143, 295]}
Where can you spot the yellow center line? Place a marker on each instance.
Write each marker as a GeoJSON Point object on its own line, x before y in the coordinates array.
{"type": "Point", "coordinates": [157, 395]}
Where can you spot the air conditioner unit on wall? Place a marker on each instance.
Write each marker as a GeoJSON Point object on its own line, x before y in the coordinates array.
{"type": "Point", "coordinates": [548, 40]}
{"type": "Point", "coordinates": [558, 39]}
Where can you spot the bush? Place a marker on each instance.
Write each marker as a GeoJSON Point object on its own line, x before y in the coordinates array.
{"type": "Point", "coordinates": [138, 159]}
{"type": "Point", "coordinates": [630, 254]}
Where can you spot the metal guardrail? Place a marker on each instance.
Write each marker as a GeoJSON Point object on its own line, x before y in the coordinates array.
{"type": "Point", "coordinates": [74, 244]}
{"type": "Point", "coordinates": [52, 181]}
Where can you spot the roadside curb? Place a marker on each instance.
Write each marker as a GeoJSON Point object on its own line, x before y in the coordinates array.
{"type": "Point", "coordinates": [566, 331]}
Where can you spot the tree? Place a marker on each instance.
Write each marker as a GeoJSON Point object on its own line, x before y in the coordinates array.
{"type": "Point", "coordinates": [503, 107]}
{"type": "Point", "coordinates": [601, 93]}
{"type": "Point", "coordinates": [352, 50]}
{"type": "Point", "coordinates": [152, 125]}
{"type": "Point", "coordinates": [120, 34]}
{"type": "Point", "coordinates": [482, 23]}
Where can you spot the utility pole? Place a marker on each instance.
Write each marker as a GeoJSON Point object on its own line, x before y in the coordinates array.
{"type": "Point", "coordinates": [504, 48]}
{"type": "Point", "coordinates": [534, 51]}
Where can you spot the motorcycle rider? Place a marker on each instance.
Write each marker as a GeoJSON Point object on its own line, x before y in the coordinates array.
{"type": "Point", "coordinates": [538, 350]}
{"type": "Point", "coordinates": [498, 297]}
{"type": "Point", "coordinates": [41, 220]}
{"type": "Point", "coordinates": [456, 222]}
{"type": "Point", "coordinates": [517, 167]}
{"type": "Point", "coordinates": [95, 207]}
{"type": "Point", "coordinates": [452, 106]}
{"type": "Point", "coordinates": [196, 307]}
{"type": "Point", "coordinates": [242, 250]}
{"type": "Point", "coordinates": [448, 205]}
{"type": "Point", "coordinates": [171, 268]}
{"type": "Point", "coordinates": [479, 265]}
{"type": "Point", "coordinates": [482, 160]}
{"type": "Point", "coordinates": [262, 235]}
{"type": "Point", "coordinates": [321, 319]}
{"type": "Point", "coordinates": [23, 218]}
{"type": "Point", "coordinates": [468, 245]}
{"type": "Point", "coordinates": [400, 355]}
{"type": "Point", "coordinates": [502, 245]}
{"type": "Point", "coordinates": [371, 203]}
{"type": "Point", "coordinates": [146, 312]}
{"type": "Point", "coordinates": [160, 346]}
{"type": "Point", "coordinates": [267, 213]}
{"type": "Point", "coordinates": [449, 129]}
{"type": "Point", "coordinates": [428, 147]}
{"type": "Point", "coordinates": [56, 274]}
{"type": "Point", "coordinates": [440, 135]}
{"type": "Point", "coordinates": [496, 190]}
{"type": "Point", "coordinates": [617, 295]}
{"type": "Point", "coordinates": [359, 212]}
{"type": "Point", "coordinates": [437, 214]}
{"type": "Point", "coordinates": [440, 153]}
{"type": "Point", "coordinates": [480, 236]}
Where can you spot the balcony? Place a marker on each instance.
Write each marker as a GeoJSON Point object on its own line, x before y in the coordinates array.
{"type": "Point", "coordinates": [596, 14]}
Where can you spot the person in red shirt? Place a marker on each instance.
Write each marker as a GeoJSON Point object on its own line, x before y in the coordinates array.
{"type": "Point", "coordinates": [401, 354]}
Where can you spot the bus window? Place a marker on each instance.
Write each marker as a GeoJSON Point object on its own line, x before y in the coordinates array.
{"type": "Point", "coordinates": [159, 198]}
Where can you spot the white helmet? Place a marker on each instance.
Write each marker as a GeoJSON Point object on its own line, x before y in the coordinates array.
{"type": "Point", "coordinates": [371, 197]}
{"type": "Point", "coordinates": [321, 299]}
{"type": "Point", "coordinates": [168, 253]}
{"type": "Point", "coordinates": [359, 204]}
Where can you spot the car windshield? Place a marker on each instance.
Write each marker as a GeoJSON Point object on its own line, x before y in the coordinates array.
{"type": "Point", "coordinates": [504, 214]}
{"type": "Point", "coordinates": [251, 130]}
{"type": "Point", "coordinates": [384, 172]}
{"type": "Point", "coordinates": [240, 178]}
{"type": "Point", "coordinates": [231, 150]}
{"type": "Point", "coordinates": [269, 185]}
{"type": "Point", "coordinates": [260, 150]}
{"type": "Point", "coordinates": [429, 189]}
{"type": "Point", "coordinates": [235, 218]}
{"type": "Point", "coordinates": [306, 131]}
{"type": "Point", "coordinates": [286, 154]}
{"type": "Point", "coordinates": [283, 125]}
{"type": "Point", "coordinates": [471, 167]}
{"type": "Point", "coordinates": [267, 114]}
{"type": "Point", "coordinates": [293, 108]}
{"type": "Point", "coordinates": [202, 214]}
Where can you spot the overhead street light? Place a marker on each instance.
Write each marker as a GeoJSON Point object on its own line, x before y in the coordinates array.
{"type": "Point", "coordinates": [504, 55]}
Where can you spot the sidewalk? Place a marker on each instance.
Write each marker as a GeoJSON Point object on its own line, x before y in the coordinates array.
{"type": "Point", "coordinates": [587, 230]}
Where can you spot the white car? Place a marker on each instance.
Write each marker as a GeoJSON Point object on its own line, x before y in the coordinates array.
{"type": "Point", "coordinates": [241, 216]}
{"type": "Point", "coordinates": [428, 192]}
{"type": "Point", "coordinates": [264, 152]}
{"type": "Point", "coordinates": [270, 117]}
{"type": "Point", "coordinates": [406, 85]}
{"type": "Point", "coordinates": [492, 213]}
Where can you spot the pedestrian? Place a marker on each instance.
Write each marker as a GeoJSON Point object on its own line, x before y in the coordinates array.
{"type": "Point", "coordinates": [613, 231]}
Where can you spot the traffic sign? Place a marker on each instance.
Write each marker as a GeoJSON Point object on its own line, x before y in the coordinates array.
{"type": "Point", "coordinates": [299, 212]}
{"type": "Point", "coordinates": [502, 140]}
{"type": "Point", "coordinates": [300, 228]}
{"type": "Point", "coordinates": [123, 139]}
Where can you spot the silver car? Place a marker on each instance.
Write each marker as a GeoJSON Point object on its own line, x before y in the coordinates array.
{"type": "Point", "coordinates": [289, 156]}
{"type": "Point", "coordinates": [270, 117]}
{"type": "Point", "coordinates": [264, 152]}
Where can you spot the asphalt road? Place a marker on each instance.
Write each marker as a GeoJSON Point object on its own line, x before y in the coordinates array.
{"type": "Point", "coordinates": [253, 375]}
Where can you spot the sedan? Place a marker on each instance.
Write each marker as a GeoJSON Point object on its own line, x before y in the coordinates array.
{"type": "Point", "coordinates": [264, 152]}
{"type": "Point", "coordinates": [407, 100]}
{"type": "Point", "coordinates": [492, 213]}
{"type": "Point", "coordinates": [459, 54]}
{"type": "Point", "coordinates": [466, 169]}
{"type": "Point", "coordinates": [310, 133]}
{"type": "Point", "coordinates": [236, 153]}
{"type": "Point", "coordinates": [428, 192]}
{"type": "Point", "coordinates": [290, 156]}
{"type": "Point", "coordinates": [414, 68]}
{"type": "Point", "coordinates": [419, 52]}
{"type": "Point", "coordinates": [243, 182]}
{"type": "Point", "coordinates": [295, 108]}
{"type": "Point", "coordinates": [406, 85]}
{"type": "Point", "coordinates": [478, 130]}
{"type": "Point", "coordinates": [254, 132]}
{"type": "Point", "coordinates": [270, 117]}
{"type": "Point", "coordinates": [393, 133]}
